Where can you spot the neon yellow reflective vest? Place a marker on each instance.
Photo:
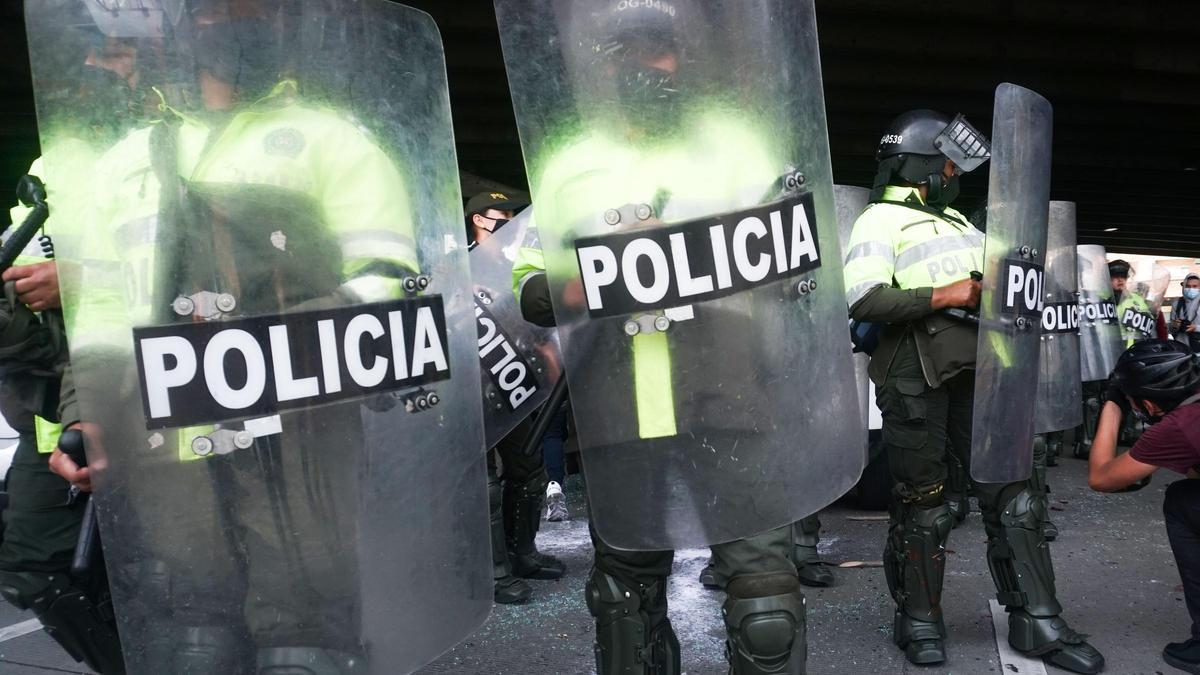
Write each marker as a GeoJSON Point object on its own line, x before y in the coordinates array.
{"type": "Point", "coordinates": [278, 142]}
{"type": "Point", "coordinates": [1135, 303]}
{"type": "Point", "coordinates": [893, 245]}
{"type": "Point", "coordinates": [718, 166]}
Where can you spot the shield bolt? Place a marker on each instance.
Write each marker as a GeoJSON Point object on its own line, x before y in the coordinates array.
{"type": "Point", "coordinates": [1024, 251]}
{"type": "Point", "coordinates": [643, 212]}
{"type": "Point", "coordinates": [422, 403]}
{"type": "Point", "coordinates": [434, 399]}
{"type": "Point", "coordinates": [183, 306]}
{"type": "Point", "coordinates": [1021, 323]}
{"type": "Point", "coordinates": [243, 439]}
{"type": "Point", "coordinates": [612, 216]}
{"type": "Point", "coordinates": [202, 446]}
{"type": "Point", "coordinates": [423, 281]}
{"type": "Point", "coordinates": [491, 394]}
{"type": "Point", "coordinates": [812, 285]}
{"type": "Point", "coordinates": [804, 287]}
{"type": "Point", "coordinates": [661, 323]}
{"type": "Point", "coordinates": [226, 302]}
{"type": "Point", "coordinates": [631, 328]}
{"type": "Point", "coordinates": [800, 179]}
{"type": "Point", "coordinates": [1035, 253]}
{"type": "Point", "coordinates": [410, 284]}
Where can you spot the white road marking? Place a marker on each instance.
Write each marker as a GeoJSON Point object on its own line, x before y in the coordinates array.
{"type": "Point", "coordinates": [1011, 661]}
{"type": "Point", "coordinates": [18, 629]}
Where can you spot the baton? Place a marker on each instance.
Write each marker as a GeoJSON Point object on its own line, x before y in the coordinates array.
{"type": "Point", "coordinates": [31, 192]}
{"type": "Point", "coordinates": [963, 315]}
{"type": "Point", "coordinates": [557, 395]}
{"type": "Point", "coordinates": [71, 443]}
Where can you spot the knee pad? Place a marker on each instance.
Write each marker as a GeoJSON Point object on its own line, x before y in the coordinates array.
{"type": "Point", "coordinates": [766, 633]}
{"type": "Point", "coordinates": [1025, 510]}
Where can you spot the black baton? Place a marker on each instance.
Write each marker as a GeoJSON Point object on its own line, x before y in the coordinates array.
{"type": "Point", "coordinates": [71, 443]}
{"type": "Point", "coordinates": [557, 395]}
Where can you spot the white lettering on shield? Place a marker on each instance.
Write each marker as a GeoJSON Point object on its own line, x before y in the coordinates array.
{"type": "Point", "coordinates": [698, 260]}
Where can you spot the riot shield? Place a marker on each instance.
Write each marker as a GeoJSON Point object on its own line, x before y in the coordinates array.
{"type": "Point", "coordinates": [691, 254]}
{"type": "Point", "coordinates": [518, 360]}
{"type": "Point", "coordinates": [270, 317]}
{"type": "Point", "coordinates": [1010, 310]}
{"type": "Point", "coordinates": [1138, 308]}
{"type": "Point", "coordinates": [850, 202]}
{"type": "Point", "coordinates": [1059, 384]}
{"type": "Point", "coordinates": [1099, 333]}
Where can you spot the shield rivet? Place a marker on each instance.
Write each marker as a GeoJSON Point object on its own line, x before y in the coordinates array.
{"type": "Point", "coordinates": [631, 328]}
{"type": "Point", "coordinates": [800, 179]}
{"type": "Point", "coordinates": [243, 439]}
{"type": "Point", "coordinates": [643, 211]}
{"type": "Point", "coordinates": [661, 323]}
{"type": "Point", "coordinates": [423, 281]}
{"type": "Point", "coordinates": [612, 216]}
{"type": "Point", "coordinates": [434, 399]}
{"type": "Point", "coordinates": [183, 306]}
{"type": "Point", "coordinates": [226, 302]}
{"type": "Point", "coordinates": [410, 284]}
{"type": "Point", "coordinates": [422, 403]}
{"type": "Point", "coordinates": [202, 446]}
{"type": "Point", "coordinates": [804, 287]}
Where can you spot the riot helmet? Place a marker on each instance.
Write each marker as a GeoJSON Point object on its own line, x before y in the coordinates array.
{"type": "Point", "coordinates": [1118, 269]}
{"type": "Point", "coordinates": [1162, 371]}
{"type": "Point", "coordinates": [914, 149]}
{"type": "Point", "coordinates": [638, 57]}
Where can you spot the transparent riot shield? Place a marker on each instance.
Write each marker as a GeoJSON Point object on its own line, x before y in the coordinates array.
{"type": "Point", "coordinates": [1006, 366]}
{"type": "Point", "coordinates": [851, 201]}
{"type": "Point", "coordinates": [1100, 340]}
{"type": "Point", "coordinates": [1059, 384]}
{"type": "Point", "coordinates": [271, 328]}
{"type": "Point", "coordinates": [683, 195]}
{"type": "Point", "coordinates": [518, 361]}
{"type": "Point", "coordinates": [1138, 307]}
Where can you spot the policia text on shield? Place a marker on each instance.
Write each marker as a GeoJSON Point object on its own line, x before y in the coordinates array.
{"type": "Point", "coordinates": [272, 312]}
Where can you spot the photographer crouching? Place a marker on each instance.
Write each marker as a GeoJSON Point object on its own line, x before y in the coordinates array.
{"type": "Point", "coordinates": [1158, 381]}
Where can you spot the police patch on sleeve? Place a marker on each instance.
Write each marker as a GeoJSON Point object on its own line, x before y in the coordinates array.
{"type": "Point", "coordinates": [285, 142]}
{"type": "Point", "coordinates": [698, 260]}
{"type": "Point", "coordinates": [202, 373]}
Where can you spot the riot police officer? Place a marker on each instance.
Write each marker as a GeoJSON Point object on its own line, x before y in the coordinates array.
{"type": "Point", "coordinates": [515, 497]}
{"type": "Point", "coordinates": [911, 254]}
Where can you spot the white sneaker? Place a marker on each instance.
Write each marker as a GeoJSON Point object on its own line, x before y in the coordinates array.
{"type": "Point", "coordinates": [556, 503]}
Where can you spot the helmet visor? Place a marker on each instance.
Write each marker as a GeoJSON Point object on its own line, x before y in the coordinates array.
{"type": "Point", "coordinates": [963, 144]}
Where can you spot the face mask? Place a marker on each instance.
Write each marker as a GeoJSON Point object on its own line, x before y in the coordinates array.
{"type": "Point", "coordinates": [943, 193]}
{"type": "Point", "coordinates": [650, 97]}
{"type": "Point", "coordinates": [497, 223]}
{"type": "Point", "coordinates": [1191, 293]}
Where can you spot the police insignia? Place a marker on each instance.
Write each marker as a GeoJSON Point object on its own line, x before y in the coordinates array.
{"type": "Point", "coordinates": [287, 142]}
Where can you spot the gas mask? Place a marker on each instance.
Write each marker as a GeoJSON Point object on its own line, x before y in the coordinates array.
{"type": "Point", "coordinates": [242, 52]}
{"type": "Point", "coordinates": [942, 191]}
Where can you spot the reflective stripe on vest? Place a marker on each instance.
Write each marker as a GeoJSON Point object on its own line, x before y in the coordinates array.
{"type": "Point", "coordinates": [913, 248]}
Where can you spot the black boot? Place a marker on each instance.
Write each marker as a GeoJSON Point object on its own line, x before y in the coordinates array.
{"type": "Point", "coordinates": [1183, 655]}
{"type": "Point", "coordinates": [711, 578]}
{"type": "Point", "coordinates": [508, 588]}
{"type": "Point", "coordinates": [522, 518]}
{"type": "Point", "coordinates": [806, 535]}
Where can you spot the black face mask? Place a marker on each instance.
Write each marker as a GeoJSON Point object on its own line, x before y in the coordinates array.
{"type": "Point", "coordinates": [1143, 416]}
{"type": "Point", "coordinates": [499, 223]}
{"type": "Point", "coordinates": [649, 96]}
{"type": "Point", "coordinates": [241, 52]}
{"type": "Point", "coordinates": [942, 191]}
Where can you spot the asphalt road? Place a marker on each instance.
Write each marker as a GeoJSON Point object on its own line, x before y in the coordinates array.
{"type": "Point", "coordinates": [1116, 578]}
